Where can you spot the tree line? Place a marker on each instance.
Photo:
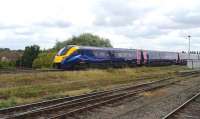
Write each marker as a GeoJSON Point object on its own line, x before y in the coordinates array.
{"type": "Point", "coordinates": [33, 57]}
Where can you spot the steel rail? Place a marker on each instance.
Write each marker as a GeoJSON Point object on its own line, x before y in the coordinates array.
{"type": "Point", "coordinates": [103, 102]}
{"type": "Point", "coordinates": [36, 107]}
{"type": "Point", "coordinates": [59, 100]}
{"type": "Point", "coordinates": [91, 106]}
{"type": "Point", "coordinates": [67, 105]}
{"type": "Point", "coordinates": [44, 103]}
{"type": "Point", "coordinates": [80, 102]}
{"type": "Point", "coordinates": [181, 106]}
{"type": "Point", "coordinates": [103, 93]}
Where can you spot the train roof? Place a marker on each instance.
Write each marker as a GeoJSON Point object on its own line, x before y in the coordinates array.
{"type": "Point", "coordinates": [159, 51]}
{"type": "Point", "coordinates": [116, 49]}
{"type": "Point", "coordinates": [105, 48]}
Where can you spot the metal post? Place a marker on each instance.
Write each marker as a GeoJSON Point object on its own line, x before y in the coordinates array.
{"type": "Point", "coordinates": [189, 60]}
{"type": "Point", "coordinates": [189, 47]}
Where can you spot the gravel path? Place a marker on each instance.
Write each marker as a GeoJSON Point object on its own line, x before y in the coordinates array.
{"type": "Point", "coordinates": [149, 105]}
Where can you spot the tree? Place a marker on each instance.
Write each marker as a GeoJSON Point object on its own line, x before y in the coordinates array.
{"type": "Point", "coordinates": [30, 53]}
{"type": "Point", "coordinates": [85, 39]}
{"type": "Point", "coordinates": [4, 49]}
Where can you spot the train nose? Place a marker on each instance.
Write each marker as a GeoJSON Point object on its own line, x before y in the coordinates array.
{"type": "Point", "coordinates": [58, 59]}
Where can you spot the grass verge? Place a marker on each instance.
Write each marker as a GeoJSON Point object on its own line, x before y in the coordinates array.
{"type": "Point", "coordinates": [24, 88]}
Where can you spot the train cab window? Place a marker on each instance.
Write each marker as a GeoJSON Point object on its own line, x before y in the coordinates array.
{"type": "Point", "coordinates": [63, 51]}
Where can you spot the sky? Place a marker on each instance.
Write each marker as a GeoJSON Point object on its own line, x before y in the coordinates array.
{"type": "Point", "coordinates": [138, 24]}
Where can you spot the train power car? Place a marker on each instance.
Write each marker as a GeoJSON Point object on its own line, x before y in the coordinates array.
{"type": "Point", "coordinates": [80, 56]}
{"type": "Point", "coordinates": [75, 57]}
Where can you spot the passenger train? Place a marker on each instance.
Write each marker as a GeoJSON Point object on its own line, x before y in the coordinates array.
{"type": "Point", "coordinates": [77, 57]}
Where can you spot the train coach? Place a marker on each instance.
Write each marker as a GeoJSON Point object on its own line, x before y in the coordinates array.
{"type": "Point", "coordinates": [161, 58]}
{"type": "Point", "coordinates": [77, 57]}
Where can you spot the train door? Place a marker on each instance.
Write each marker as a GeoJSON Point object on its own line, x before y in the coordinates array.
{"type": "Point", "coordinates": [138, 53]}
{"type": "Point", "coordinates": [198, 56]}
{"type": "Point", "coordinates": [145, 57]}
{"type": "Point", "coordinates": [178, 60]}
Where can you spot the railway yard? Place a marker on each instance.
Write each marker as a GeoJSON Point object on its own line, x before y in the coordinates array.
{"type": "Point", "coordinates": [100, 59]}
{"type": "Point", "coordinates": [141, 93]}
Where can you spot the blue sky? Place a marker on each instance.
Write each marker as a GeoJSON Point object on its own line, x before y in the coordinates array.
{"type": "Point", "coordinates": [142, 24]}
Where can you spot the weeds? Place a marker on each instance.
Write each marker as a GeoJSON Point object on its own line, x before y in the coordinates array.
{"type": "Point", "coordinates": [28, 87]}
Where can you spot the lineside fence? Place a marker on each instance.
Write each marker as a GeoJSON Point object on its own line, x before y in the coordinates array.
{"type": "Point", "coordinates": [193, 63]}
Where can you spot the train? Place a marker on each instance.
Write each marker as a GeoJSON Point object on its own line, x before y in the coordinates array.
{"type": "Point", "coordinates": [79, 57]}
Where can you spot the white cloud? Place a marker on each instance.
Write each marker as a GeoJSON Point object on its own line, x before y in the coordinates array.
{"type": "Point", "coordinates": [145, 24]}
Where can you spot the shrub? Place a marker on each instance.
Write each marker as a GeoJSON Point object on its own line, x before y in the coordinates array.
{"type": "Point", "coordinates": [7, 64]}
{"type": "Point", "coordinates": [44, 60]}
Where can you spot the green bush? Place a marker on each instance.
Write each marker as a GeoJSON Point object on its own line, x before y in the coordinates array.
{"type": "Point", "coordinates": [7, 64]}
{"type": "Point", "coordinates": [44, 60]}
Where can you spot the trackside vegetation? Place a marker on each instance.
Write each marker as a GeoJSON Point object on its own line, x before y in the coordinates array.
{"type": "Point", "coordinates": [29, 55]}
{"type": "Point", "coordinates": [24, 88]}
{"type": "Point", "coordinates": [35, 57]}
{"type": "Point", "coordinates": [45, 58]}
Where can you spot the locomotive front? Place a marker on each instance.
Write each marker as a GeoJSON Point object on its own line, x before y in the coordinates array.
{"type": "Point", "coordinates": [63, 55]}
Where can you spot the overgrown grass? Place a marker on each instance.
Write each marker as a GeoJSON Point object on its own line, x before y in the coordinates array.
{"type": "Point", "coordinates": [28, 87]}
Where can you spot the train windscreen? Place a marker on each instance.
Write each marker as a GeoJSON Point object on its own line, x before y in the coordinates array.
{"type": "Point", "coordinates": [62, 51]}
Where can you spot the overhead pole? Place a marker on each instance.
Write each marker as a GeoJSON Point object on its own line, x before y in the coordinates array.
{"type": "Point", "coordinates": [189, 52]}
{"type": "Point", "coordinates": [189, 47]}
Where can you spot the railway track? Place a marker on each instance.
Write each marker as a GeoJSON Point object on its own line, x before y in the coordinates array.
{"type": "Point", "coordinates": [67, 106]}
{"type": "Point", "coordinates": [188, 110]}
{"type": "Point", "coordinates": [188, 72]}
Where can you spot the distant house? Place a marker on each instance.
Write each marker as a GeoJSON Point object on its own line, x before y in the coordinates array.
{"type": "Point", "coordinates": [9, 55]}
{"type": "Point", "coordinates": [3, 59]}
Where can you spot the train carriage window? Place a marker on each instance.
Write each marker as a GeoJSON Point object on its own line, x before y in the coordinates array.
{"type": "Point", "coordinates": [162, 55]}
{"type": "Point", "coordinates": [101, 54]}
{"type": "Point", "coordinates": [120, 54]}
{"type": "Point", "coordinates": [153, 55]}
{"type": "Point", "coordinates": [125, 54]}
{"type": "Point", "coordinates": [168, 55]}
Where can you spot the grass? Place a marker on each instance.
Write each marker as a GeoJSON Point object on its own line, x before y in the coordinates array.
{"type": "Point", "coordinates": [30, 87]}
